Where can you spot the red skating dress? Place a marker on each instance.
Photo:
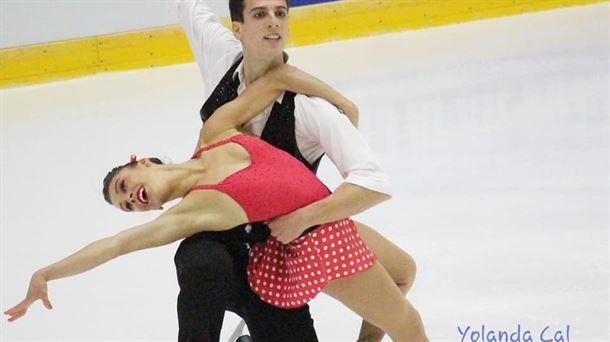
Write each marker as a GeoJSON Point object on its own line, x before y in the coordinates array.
{"type": "Point", "coordinates": [274, 184]}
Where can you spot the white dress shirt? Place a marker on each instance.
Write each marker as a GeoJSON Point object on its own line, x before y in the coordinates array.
{"type": "Point", "coordinates": [319, 126]}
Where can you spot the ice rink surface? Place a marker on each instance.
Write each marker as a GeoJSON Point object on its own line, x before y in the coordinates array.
{"type": "Point", "coordinates": [494, 133]}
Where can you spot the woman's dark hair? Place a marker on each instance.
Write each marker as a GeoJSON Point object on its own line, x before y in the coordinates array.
{"type": "Point", "coordinates": [116, 170]}
{"type": "Point", "coordinates": [236, 8]}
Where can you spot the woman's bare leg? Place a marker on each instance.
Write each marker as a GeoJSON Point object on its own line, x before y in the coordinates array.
{"type": "Point", "coordinates": [399, 265]}
{"type": "Point", "coordinates": [374, 296]}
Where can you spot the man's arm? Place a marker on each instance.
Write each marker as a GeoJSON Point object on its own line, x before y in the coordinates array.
{"type": "Point", "coordinates": [347, 200]}
{"type": "Point", "coordinates": [214, 46]}
{"type": "Point", "coordinates": [366, 183]}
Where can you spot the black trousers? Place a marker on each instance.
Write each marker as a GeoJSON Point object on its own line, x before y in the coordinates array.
{"type": "Point", "coordinates": [211, 269]}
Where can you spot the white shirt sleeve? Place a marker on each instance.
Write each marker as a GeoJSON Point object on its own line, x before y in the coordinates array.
{"type": "Point", "coordinates": [321, 128]}
{"type": "Point", "coordinates": [214, 46]}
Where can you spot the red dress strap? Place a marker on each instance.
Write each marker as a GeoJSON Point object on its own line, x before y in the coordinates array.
{"type": "Point", "coordinates": [207, 148]}
{"type": "Point", "coordinates": [202, 187]}
{"type": "Point", "coordinates": [214, 145]}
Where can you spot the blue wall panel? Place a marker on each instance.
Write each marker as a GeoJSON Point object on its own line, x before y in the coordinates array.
{"type": "Point", "coordinates": [295, 3]}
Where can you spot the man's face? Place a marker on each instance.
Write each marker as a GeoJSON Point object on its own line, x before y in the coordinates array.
{"type": "Point", "coordinates": [265, 28]}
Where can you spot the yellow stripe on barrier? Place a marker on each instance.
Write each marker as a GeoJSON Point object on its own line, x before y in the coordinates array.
{"type": "Point", "coordinates": [87, 56]}
{"type": "Point", "coordinates": [353, 19]}
{"type": "Point", "coordinates": [309, 25]}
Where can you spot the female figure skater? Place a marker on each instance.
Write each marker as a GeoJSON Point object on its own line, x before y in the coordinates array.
{"type": "Point", "coordinates": [235, 179]}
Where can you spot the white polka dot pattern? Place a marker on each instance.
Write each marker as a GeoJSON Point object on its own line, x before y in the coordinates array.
{"type": "Point", "coordinates": [289, 276]}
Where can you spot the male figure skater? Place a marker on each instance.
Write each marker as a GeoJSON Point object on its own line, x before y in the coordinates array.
{"type": "Point", "coordinates": [211, 267]}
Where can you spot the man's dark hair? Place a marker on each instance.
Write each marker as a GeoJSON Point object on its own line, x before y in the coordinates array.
{"type": "Point", "coordinates": [236, 8]}
{"type": "Point", "coordinates": [113, 172]}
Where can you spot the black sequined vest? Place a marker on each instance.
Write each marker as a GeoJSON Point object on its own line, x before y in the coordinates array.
{"type": "Point", "coordinates": [279, 129]}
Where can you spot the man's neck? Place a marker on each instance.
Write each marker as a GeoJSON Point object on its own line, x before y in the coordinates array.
{"type": "Point", "coordinates": [255, 67]}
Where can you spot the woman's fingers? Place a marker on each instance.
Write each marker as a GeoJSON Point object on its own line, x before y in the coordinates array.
{"type": "Point", "coordinates": [21, 306]}
{"type": "Point", "coordinates": [18, 310]}
{"type": "Point", "coordinates": [21, 309]}
{"type": "Point", "coordinates": [37, 290]}
{"type": "Point", "coordinates": [16, 316]}
{"type": "Point", "coordinates": [47, 302]}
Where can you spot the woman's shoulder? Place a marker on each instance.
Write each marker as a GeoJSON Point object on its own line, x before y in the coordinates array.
{"type": "Point", "coordinates": [194, 203]}
{"type": "Point", "coordinates": [216, 209]}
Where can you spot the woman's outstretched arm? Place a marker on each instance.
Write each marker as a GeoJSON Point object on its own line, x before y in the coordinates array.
{"type": "Point", "coordinates": [260, 94]}
{"type": "Point", "coordinates": [167, 228]}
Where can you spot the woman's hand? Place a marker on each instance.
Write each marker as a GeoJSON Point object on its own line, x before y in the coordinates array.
{"type": "Point", "coordinates": [290, 78]}
{"type": "Point", "coordinates": [349, 109]}
{"type": "Point", "coordinates": [37, 290]}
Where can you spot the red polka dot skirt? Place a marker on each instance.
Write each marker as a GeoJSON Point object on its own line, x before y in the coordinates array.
{"type": "Point", "coordinates": [288, 276]}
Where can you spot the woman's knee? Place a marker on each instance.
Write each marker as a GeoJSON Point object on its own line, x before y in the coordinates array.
{"type": "Point", "coordinates": [408, 271]}
{"type": "Point", "coordinates": [399, 264]}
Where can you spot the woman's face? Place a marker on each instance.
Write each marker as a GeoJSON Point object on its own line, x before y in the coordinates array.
{"type": "Point", "coordinates": [134, 188]}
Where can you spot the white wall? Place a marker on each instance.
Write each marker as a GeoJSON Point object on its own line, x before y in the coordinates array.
{"type": "Point", "coordinates": [25, 22]}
